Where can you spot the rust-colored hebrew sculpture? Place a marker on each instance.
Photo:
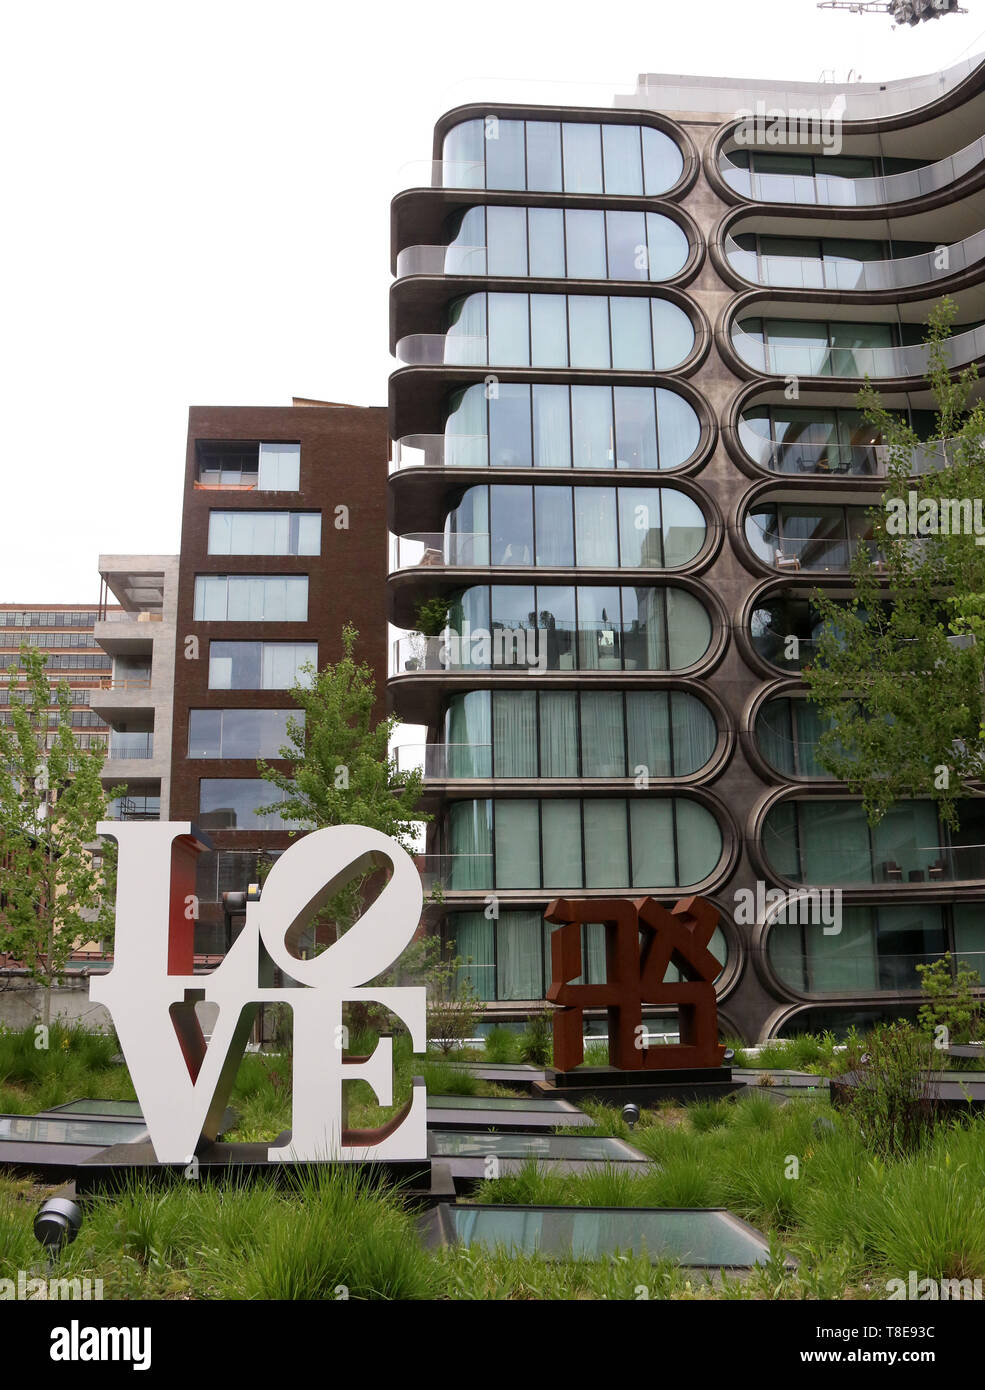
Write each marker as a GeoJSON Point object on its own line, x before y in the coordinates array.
{"type": "Point", "coordinates": [641, 939]}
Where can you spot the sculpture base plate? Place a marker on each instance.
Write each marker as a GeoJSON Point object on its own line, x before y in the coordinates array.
{"type": "Point", "coordinates": [614, 1087]}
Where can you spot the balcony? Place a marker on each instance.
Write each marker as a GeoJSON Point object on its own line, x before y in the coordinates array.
{"type": "Point", "coordinates": [443, 350]}
{"type": "Point", "coordinates": [815, 554]}
{"type": "Point", "coordinates": [809, 273]}
{"type": "Point", "coordinates": [446, 761]}
{"type": "Point", "coordinates": [442, 260]}
{"type": "Point", "coordinates": [127, 633]}
{"type": "Point", "coordinates": [435, 549]}
{"type": "Point", "coordinates": [830, 190]}
{"type": "Point", "coordinates": [440, 451]}
{"type": "Point", "coordinates": [119, 700]}
{"type": "Point", "coordinates": [826, 360]}
{"type": "Point", "coordinates": [134, 808]}
{"type": "Point", "coordinates": [572, 646]}
{"type": "Point", "coordinates": [831, 460]}
{"type": "Point", "coordinates": [131, 747]}
{"type": "Point", "coordinates": [455, 872]}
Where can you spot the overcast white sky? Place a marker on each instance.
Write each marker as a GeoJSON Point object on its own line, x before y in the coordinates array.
{"type": "Point", "coordinates": [196, 209]}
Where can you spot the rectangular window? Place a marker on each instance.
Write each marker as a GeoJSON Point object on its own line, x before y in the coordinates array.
{"type": "Point", "coordinates": [558, 738]}
{"type": "Point", "coordinates": [544, 156]}
{"type": "Point", "coordinates": [546, 242]}
{"type": "Point", "coordinates": [509, 427]}
{"type": "Point", "coordinates": [588, 320]}
{"type": "Point", "coordinates": [628, 256]}
{"type": "Point", "coordinates": [231, 803]}
{"type": "Point", "coordinates": [251, 598]}
{"type": "Point", "coordinates": [509, 330]}
{"type": "Point", "coordinates": [623, 168]}
{"type": "Point", "coordinates": [280, 467]}
{"type": "Point", "coordinates": [591, 426]}
{"type": "Point", "coordinates": [264, 533]}
{"type": "Point", "coordinates": [606, 844]}
{"type": "Point", "coordinates": [585, 238]}
{"type": "Point", "coordinates": [517, 845]}
{"type": "Point", "coordinates": [260, 665]}
{"type": "Point", "coordinates": [506, 230]}
{"type": "Point", "coordinates": [548, 331]}
{"type": "Point", "coordinates": [561, 828]}
{"type": "Point", "coordinates": [632, 349]}
{"type": "Point", "coordinates": [239, 733]}
{"type": "Point", "coordinates": [603, 745]}
{"type": "Point", "coordinates": [652, 823]}
{"type": "Point", "coordinates": [582, 157]}
{"type": "Point", "coordinates": [505, 163]}
{"type": "Point", "coordinates": [518, 955]}
{"type": "Point", "coordinates": [636, 428]}
{"type": "Point", "coordinates": [514, 714]}
{"type": "Point", "coordinates": [552, 427]}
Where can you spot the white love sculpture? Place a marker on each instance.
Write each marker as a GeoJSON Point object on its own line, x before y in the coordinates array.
{"type": "Point", "coordinates": [151, 991]}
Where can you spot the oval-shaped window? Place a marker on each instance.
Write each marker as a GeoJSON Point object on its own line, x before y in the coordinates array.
{"type": "Point", "coordinates": [558, 426]}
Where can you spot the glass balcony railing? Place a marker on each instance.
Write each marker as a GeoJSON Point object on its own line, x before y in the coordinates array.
{"type": "Point", "coordinates": [455, 872]}
{"type": "Point", "coordinates": [445, 761]}
{"type": "Point", "coordinates": [441, 260]}
{"type": "Point", "coordinates": [443, 349]}
{"type": "Point", "coordinates": [131, 745]}
{"type": "Point", "coordinates": [788, 653]}
{"type": "Point", "coordinates": [810, 273]}
{"type": "Point", "coordinates": [815, 553]}
{"type": "Point", "coordinates": [144, 616]}
{"type": "Point", "coordinates": [826, 360]}
{"type": "Point", "coordinates": [440, 451]}
{"type": "Point", "coordinates": [126, 683]}
{"type": "Point", "coordinates": [847, 460]}
{"type": "Point", "coordinates": [831, 190]}
{"type": "Point", "coordinates": [588, 646]}
{"type": "Point", "coordinates": [864, 971]}
{"type": "Point", "coordinates": [437, 548]}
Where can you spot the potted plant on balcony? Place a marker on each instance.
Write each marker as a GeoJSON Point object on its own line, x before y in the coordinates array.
{"type": "Point", "coordinates": [430, 619]}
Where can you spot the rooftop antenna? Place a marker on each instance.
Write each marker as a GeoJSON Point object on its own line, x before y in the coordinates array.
{"type": "Point", "coordinates": [910, 12]}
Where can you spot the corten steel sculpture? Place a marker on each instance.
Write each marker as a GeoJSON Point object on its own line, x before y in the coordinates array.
{"type": "Point", "coordinates": [641, 940]}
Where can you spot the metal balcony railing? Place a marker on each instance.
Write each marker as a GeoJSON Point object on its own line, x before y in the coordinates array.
{"type": "Point", "coordinates": [131, 746]}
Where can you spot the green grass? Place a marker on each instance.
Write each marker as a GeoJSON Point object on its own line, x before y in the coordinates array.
{"type": "Point", "coordinates": [852, 1221]}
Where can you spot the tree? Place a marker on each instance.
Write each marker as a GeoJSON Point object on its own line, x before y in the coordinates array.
{"type": "Point", "coordinates": [341, 771]}
{"type": "Point", "coordinates": [948, 1001]}
{"type": "Point", "coordinates": [53, 895]}
{"type": "Point", "coordinates": [342, 774]}
{"type": "Point", "coordinates": [898, 674]}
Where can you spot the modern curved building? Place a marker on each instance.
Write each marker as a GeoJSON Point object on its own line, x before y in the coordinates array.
{"type": "Point", "coordinates": [627, 451]}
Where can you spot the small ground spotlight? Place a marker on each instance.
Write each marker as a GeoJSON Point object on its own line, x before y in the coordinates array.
{"type": "Point", "coordinates": [57, 1224]}
{"type": "Point", "coordinates": [631, 1114]}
